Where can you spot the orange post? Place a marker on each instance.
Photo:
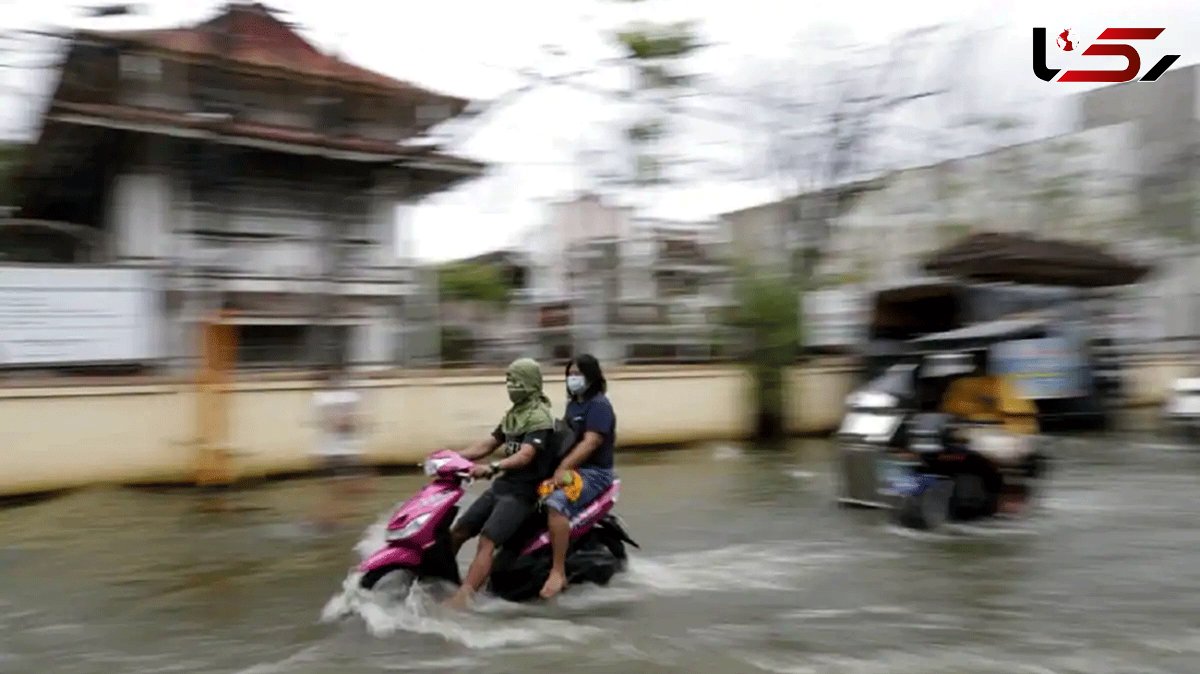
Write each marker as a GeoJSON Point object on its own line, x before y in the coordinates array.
{"type": "Point", "coordinates": [218, 355]}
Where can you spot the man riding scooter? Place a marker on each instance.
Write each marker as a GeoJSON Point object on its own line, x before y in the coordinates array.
{"type": "Point", "coordinates": [526, 432]}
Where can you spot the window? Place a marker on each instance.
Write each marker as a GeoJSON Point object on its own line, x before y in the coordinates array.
{"type": "Point", "coordinates": [263, 345]}
{"type": "Point", "coordinates": [140, 67]}
{"type": "Point", "coordinates": [428, 115]}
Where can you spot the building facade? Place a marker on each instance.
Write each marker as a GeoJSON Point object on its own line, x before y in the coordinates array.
{"type": "Point", "coordinates": [627, 288]}
{"type": "Point", "coordinates": [256, 174]}
{"type": "Point", "coordinates": [1101, 183]}
{"type": "Point", "coordinates": [1165, 123]}
{"type": "Point", "coordinates": [1073, 186]}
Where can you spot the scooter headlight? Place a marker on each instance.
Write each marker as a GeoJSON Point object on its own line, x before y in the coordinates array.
{"type": "Point", "coordinates": [409, 529]}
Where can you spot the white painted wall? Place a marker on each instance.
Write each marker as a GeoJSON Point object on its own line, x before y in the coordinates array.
{"type": "Point", "coordinates": [373, 340]}
{"type": "Point", "coordinates": [139, 213]}
{"type": "Point", "coordinates": [383, 227]}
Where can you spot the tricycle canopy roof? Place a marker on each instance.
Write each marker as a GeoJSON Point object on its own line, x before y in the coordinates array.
{"type": "Point", "coordinates": [982, 335]}
{"type": "Point", "coordinates": [1020, 258]}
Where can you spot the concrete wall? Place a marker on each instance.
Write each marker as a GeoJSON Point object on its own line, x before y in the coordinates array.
{"type": "Point", "coordinates": [816, 398]}
{"type": "Point", "coordinates": [62, 437]}
{"type": "Point", "coordinates": [1148, 382]}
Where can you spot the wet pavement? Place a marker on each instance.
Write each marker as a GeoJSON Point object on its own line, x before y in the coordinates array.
{"type": "Point", "coordinates": [748, 566]}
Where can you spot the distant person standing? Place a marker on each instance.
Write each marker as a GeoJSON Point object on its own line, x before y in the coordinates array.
{"type": "Point", "coordinates": [337, 410]}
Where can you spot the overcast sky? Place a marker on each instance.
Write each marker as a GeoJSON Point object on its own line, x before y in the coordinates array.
{"type": "Point", "coordinates": [473, 48]}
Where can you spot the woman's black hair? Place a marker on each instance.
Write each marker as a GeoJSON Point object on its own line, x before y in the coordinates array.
{"type": "Point", "coordinates": [590, 368]}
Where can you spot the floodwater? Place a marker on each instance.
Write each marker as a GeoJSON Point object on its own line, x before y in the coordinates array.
{"type": "Point", "coordinates": [747, 566]}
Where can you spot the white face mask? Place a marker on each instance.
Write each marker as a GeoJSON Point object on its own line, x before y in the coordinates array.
{"type": "Point", "coordinates": [576, 384]}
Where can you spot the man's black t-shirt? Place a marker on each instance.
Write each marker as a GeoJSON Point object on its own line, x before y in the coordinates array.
{"type": "Point", "coordinates": [523, 482]}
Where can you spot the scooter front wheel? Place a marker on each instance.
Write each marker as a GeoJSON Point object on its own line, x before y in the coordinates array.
{"type": "Point", "coordinates": [390, 580]}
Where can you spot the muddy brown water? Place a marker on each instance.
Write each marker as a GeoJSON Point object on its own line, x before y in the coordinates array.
{"type": "Point", "coordinates": [747, 566]}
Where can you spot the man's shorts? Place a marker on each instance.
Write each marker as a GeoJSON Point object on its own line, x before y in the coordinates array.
{"type": "Point", "coordinates": [595, 481]}
{"type": "Point", "coordinates": [497, 516]}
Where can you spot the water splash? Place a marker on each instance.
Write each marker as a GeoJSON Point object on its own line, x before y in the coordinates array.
{"type": "Point", "coordinates": [491, 624]}
{"type": "Point", "coordinates": [373, 538]}
{"type": "Point", "coordinates": [484, 629]}
{"type": "Point", "coordinates": [494, 623]}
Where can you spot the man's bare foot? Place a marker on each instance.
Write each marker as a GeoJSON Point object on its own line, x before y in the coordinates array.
{"type": "Point", "coordinates": [459, 601]}
{"type": "Point", "coordinates": [556, 583]}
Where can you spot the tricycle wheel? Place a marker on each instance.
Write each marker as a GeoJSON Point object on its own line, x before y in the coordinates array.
{"type": "Point", "coordinates": [927, 509]}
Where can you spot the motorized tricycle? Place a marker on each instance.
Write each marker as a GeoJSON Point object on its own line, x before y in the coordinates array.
{"type": "Point", "coordinates": [938, 442]}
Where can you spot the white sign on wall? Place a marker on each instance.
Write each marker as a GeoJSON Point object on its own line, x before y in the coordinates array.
{"type": "Point", "coordinates": [76, 315]}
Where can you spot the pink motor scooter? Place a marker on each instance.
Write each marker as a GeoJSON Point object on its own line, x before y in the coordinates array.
{"type": "Point", "coordinates": [418, 540]}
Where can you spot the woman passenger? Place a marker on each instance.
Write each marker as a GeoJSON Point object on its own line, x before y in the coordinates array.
{"type": "Point", "coordinates": [590, 461]}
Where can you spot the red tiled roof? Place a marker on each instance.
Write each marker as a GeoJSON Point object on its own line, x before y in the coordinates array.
{"type": "Point", "coordinates": [254, 36]}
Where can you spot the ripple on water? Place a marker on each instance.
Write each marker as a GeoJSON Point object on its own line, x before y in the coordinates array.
{"type": "Point", "coordinates": [1095, 659]}
{"type": "Point", "coordinates": [959, 530]}
{"type": "Point", "coordinates": [727, 453]}
{"type": "Point", "coordinates": [734, 568]}
{"type": "Point", "coordinates": [288, 664]}
{"type": "Point", "coordinates": [418, 665]}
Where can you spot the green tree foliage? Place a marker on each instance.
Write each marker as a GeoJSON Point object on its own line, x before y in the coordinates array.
{"type": "Point", "coordinates": [653, 41]}
{"type": "Point", "coordinates": [457, 345]}
{"type": "Point", "coordinates": [767, 315]}
{"type": "Point", "coordinates": [470, 281]}
{"type": "Point", "coordinates": [655, 52]}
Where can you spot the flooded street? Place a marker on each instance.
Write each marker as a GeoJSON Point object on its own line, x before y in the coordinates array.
{"type": "Point", "coordinates": [747, 566]}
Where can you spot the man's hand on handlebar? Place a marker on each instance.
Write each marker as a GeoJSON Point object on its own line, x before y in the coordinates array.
{"type": "Point", "coordinates": [481, 470]}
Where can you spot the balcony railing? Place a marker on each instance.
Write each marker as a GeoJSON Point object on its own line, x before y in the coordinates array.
{"type": "Point", "coordinates": [638, 314]}
{"type": "Point", "coordinates": [293, 259]}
